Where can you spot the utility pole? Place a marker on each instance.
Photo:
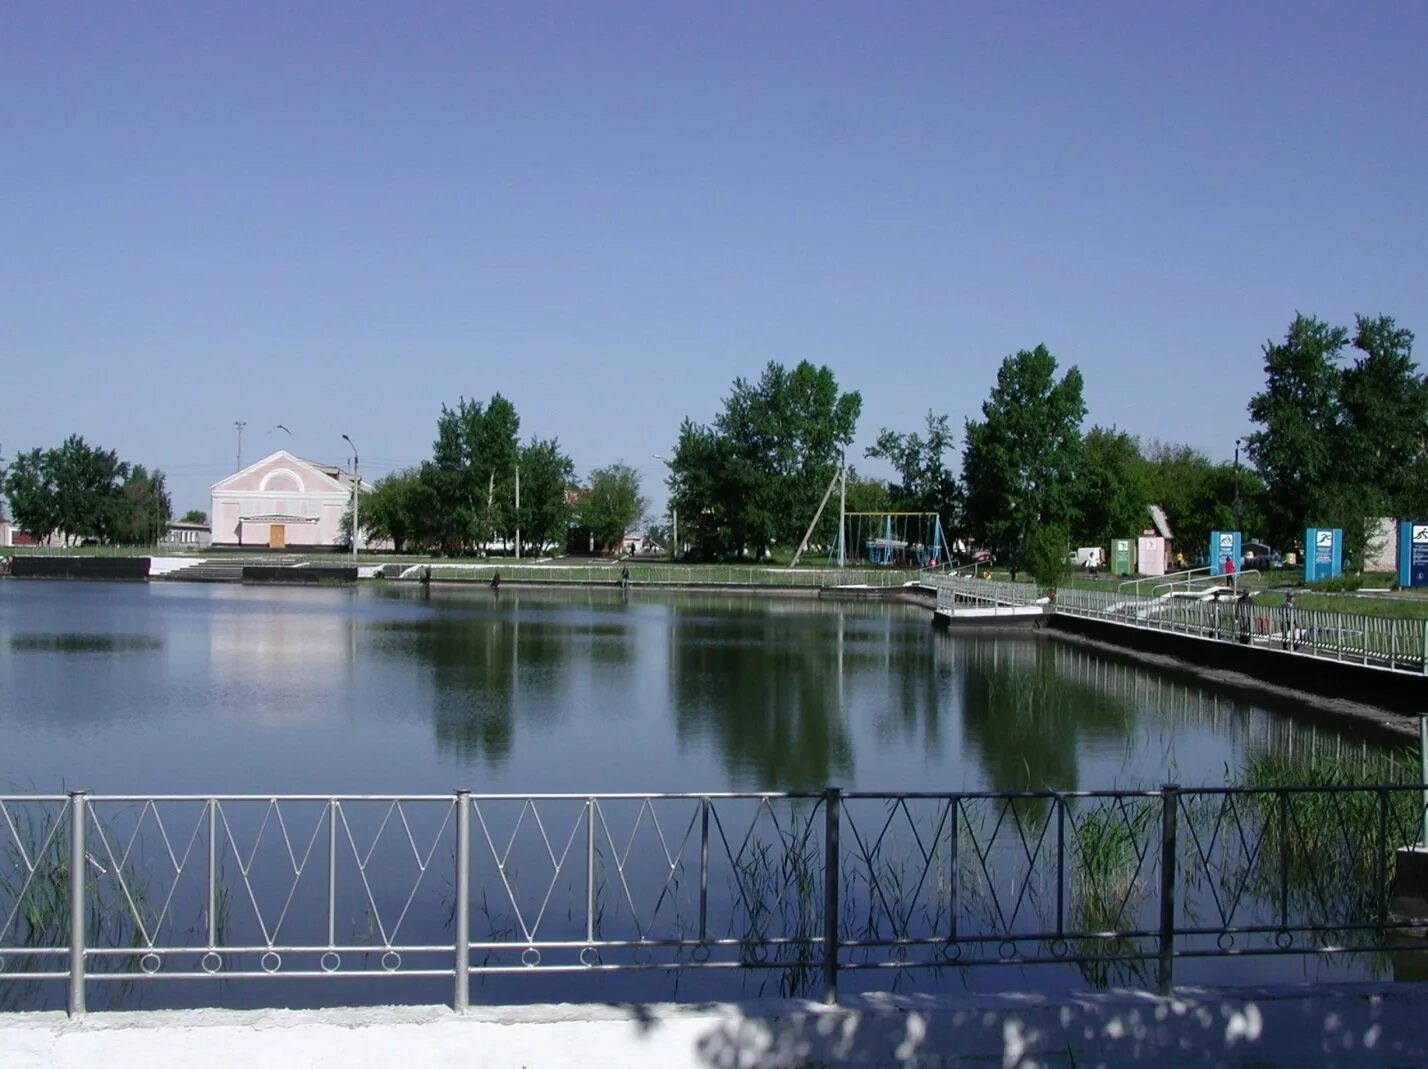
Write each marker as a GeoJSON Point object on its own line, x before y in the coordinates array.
{"type": "Point", "coordinates": [518, 512]}
{"type": "Point", "coordinates": [356, 495]}
{"type": "Point", "coordinates": [238, 426]}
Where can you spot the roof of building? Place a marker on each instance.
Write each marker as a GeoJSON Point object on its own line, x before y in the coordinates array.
{"type": "Point", "coordinates": [1162, 523]}
{"type": "Point", "coordinates": [338, 475]}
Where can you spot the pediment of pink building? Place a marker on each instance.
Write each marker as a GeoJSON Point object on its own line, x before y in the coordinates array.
{"type": "Point", "coordinates": [281, 473]}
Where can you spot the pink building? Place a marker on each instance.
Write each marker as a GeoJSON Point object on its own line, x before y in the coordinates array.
{"type": "Point", "coordinates": [282, 502]}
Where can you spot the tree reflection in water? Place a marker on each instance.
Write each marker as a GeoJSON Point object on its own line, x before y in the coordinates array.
{"type": "Point", "coordinates": [1025, 717]}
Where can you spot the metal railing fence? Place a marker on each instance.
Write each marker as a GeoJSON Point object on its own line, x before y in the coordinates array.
{"type": "Point", "coordinates": [102, 890]}
{"type": "Point", "coordinates": [669, 574]}
{"type": "Point", "coordinates": [1399, 644]}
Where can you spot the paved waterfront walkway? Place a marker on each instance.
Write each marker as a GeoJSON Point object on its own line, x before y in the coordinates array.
{"type": "Point", "coordinates": [1378, 1025]}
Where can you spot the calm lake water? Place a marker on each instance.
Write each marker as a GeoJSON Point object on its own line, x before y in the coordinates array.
{"type": "Point", "coordinates": [215, 689]}
{"type": "Point", "coordinates": [179, 688]}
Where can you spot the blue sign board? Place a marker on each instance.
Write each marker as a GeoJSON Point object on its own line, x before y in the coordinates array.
{"type": "Point", "coordinates": [1224, 545]}
{"type": "Point", "coordinates": [1412, 554]}
{"type": "Point", "coordinates": [1323, 553]}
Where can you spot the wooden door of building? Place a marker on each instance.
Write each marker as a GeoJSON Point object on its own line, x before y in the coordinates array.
{"type": "Point", "coordinates": [277, 536]}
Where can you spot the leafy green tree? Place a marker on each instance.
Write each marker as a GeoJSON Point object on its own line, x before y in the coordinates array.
{"type": "Point", "coordinates": [1020, 460]}
{"type": "Point", "coordinates": [146, 508]}
{"type": "Point", "coordinates": [87, 489]}
{"type": "Point", "coordinates": [1199, 496]}
{"type": "Point", "coordinates": [1112, 488]}
{"type": "Point", "coordinates": [546, 475]}
{"type": "Point", "coordinates": [1385, 420]}
{"type": "Point", "coordinates": [615, 503]}
{"type": "Point", "coordinates": [81, 491]}
{"type": "Point", "coordinates": [924, 482]}
{"type": "Point", "coordinates": [472, 472]}
{"type": "Point", "coordinates": [29, 486]}
{"type": "Point", "coordinates": [755, 478]}
{"type": "Point", "coordinates": [701, 490]}
{"type": "Point", "coordinates": [399, 508]}
{"type": "Point", "coordinates": [1299, 416]}
{"type": "Point", "coordinates": [195, 516]}
{"type": "Point", "coordinates": [1047, 548]}
{"type": "Point", "coordinates": [1338, 445]}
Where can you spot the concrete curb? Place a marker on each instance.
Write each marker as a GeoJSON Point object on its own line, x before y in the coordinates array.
{"type": "Point", "coordinates": [1321, 1025]}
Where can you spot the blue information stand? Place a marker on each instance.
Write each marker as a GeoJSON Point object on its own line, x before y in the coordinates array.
{"type": "Point", "coordinates": [1224, 545]}
{"type": "Point", "coordinates": [1323, 553]}
{"type": "Point", "coordinates": [1412, 554]}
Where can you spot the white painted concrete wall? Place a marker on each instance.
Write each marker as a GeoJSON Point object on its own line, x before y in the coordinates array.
{"type": "Point", "coordinates": [1335, 1027]}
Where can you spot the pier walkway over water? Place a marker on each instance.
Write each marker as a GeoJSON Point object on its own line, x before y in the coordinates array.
{"type": "Point", "coordinates": [1395, 645]}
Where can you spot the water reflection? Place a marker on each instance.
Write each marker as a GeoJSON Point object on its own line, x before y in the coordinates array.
{"type": "Point", "coordinates": [783, 688]}
{"type": "Point", "coordinates": [1027, 719]}
{"type": "Point", "coordinates": [76, 642]}
{"type": "Point", "coordinates": [505, 663]}
{"type": "Point", "coordinates": [580, 689]}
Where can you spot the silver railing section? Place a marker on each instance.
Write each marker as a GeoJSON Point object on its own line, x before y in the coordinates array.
{"type": "Point", "coordinates": [683, 575]}
{"type": "Point", "coordinates": [1399, 644]}
{"type": "Point", "coordinates": [106, 891]}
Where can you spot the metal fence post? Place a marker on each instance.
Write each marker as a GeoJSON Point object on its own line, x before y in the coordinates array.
{"type": "Point", "coordinates": [461, 990]}
{"type": "Point", "coordinates": [1423, 765]}
{"type": "Point", "coordinates": [1169, 804]}
{"type": "Point", "coordinates": [832, 805]}
{"type": "Point", "coordinates": [76, 902]}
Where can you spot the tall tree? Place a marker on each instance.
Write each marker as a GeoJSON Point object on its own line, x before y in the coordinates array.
{"type": "Point", "coordinates": [1338, 445]}
{"type": "Point", "coordinates": [87, 489]}
{"type": "Point", "coordinates": [29, 486]}
{"type": "Point", "coordinates": [472, 472]}
{"type": "Point", "coordinates": [615, 503]}
{"type": "Point", "coordinates": [546, 475]}
{"type": "Point", "coordinates": [1385, 420]}
{"type": "Point", "coordinates": [1112, 488]}
{"type": "Point", "coordinates": [1020, 460]}
{"type": "Point", "coordinates": [924, 482]}
{"type": "Point", "coordinates": [145, 507]}
{"type": "Point", "coordinates": [700, 490]}
{"type": "Point", "coordinates": [1299, 416]}
{"type": "Point", "coordinates": [400, 507]}
{"type": "Point", "coordinates": [755, 478]}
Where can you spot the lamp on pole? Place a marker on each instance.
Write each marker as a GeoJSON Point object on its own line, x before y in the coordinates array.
{"type": "Point", "coordinates": [673, 519]}
{"type": "Point", "coordinates": [518, 513]}
{"type": "Point", "coordinates": [1237, 482]}
{"type": "Point", "coordinates": [356, 495]}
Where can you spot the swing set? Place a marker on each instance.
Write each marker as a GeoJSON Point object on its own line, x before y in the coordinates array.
{"type": "Point", "coordinates": [891, 540]}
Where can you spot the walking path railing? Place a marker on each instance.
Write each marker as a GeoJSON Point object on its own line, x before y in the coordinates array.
{"type": "Point", "coordinates": [101, 893]}
{"type": "Point", "coordinates": [1395, 643]}
{"type": "Point", "coordinates": [667, 574]}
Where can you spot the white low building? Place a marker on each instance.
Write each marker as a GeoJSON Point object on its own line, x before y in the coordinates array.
{"type": "Point", "coordinates": [282, 502]}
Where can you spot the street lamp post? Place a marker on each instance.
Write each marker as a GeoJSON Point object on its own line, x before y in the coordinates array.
{"type": "Point", "coordinates": [356, 495]}
{"type": "Point", "coordinates": [1237, 484]}
{"type": "Point", "coordinates": [518, 513]}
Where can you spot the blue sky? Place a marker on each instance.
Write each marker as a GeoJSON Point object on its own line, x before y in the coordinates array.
{"type": "Point", "coordinates": [336, 217]}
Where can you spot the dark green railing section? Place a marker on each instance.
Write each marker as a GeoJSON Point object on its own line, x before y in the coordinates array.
{"type": "Point", "coordinates": [102, 893]}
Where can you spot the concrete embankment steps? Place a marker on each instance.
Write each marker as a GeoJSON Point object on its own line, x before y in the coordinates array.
{"type": "Point", "coordinates": [209, 571]}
